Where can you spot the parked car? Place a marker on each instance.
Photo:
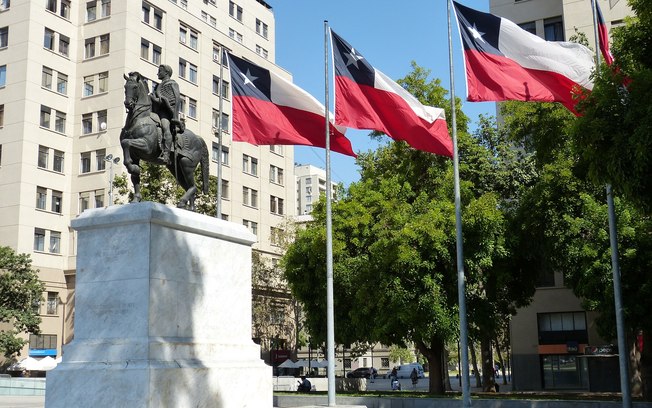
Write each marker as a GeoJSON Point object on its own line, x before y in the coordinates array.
{"type": "Point", "coordinates": [362, 372]}
{"type": "Point", "coordinates": [404, 370]}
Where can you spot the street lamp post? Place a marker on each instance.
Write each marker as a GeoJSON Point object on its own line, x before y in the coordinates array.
{"type": "Point", "coordinates": [111, 160]}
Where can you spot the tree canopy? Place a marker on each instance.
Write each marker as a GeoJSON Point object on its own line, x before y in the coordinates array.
{"type": "Point", "coordinates": [20, 291]}
{"type": "Point", "coordinates": [394, 243]}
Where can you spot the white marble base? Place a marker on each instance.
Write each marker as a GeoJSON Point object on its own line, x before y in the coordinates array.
{"type": "Point", "coordinates": [162, 314]}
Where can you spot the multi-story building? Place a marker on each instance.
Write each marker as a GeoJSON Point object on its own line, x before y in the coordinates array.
{"type": "Point", "coordinates": [550, 335]}
{"type": "Point", "coordinates": [61, 111]}
{"type": "Point", "coordinates": [311, 184]}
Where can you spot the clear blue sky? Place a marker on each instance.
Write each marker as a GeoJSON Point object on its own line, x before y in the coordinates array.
{"type": "Point", "coordinates": [389, 34]}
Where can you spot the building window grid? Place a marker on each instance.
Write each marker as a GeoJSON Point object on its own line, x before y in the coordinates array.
{"type": "Point", "coordinates": [261, 28]}
{"type": "Point", "coordinates": [235, 11]}
{"type": "Point", "coordinates": [249, 165]}
{"type": "Point", "coordinates": [276, 175]}
{"type": "Point", "coordinates": [41, 197]}
{"type": "Point", "coordinates": [250, 197]}
{"type": "Point", "coordinates": [276, 205]}
{"type": "Point", "coordinates": [52, 303]}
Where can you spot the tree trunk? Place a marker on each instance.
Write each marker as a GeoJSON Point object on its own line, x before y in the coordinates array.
{"type": "Point", "coordinates": [434, 356]}
{"type": "Point", "coordinates": [474, 362]}
{"type": "Point", "coordinates": [447, 379]}
{"type": "Point", "coordinates": [501, 361]}
{"type": "Point", "coordinates": [646, 364]}
{"type": "Point", "coordinates": [488, 374]}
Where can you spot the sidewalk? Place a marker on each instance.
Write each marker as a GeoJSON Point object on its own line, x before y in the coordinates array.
{"type": "Point", "coordinates": [21, 401]}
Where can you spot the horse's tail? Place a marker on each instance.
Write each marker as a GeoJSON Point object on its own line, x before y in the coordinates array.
{"type": "Point", "coordinates": [204, 166]}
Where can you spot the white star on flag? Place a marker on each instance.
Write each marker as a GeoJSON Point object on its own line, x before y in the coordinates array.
{"type": "Point", "coordinates": [248, 78]}
{"type": "Point", "coordinates": [476, 34]}
{"type": "Point", "coordinates": [353, 58]}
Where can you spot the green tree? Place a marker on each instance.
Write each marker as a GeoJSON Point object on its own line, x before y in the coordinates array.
{"type": "Point", "coordinates": [394, 246]}
{"type": "Point", "coordinates": [562, 225]}
{"type": "Point", "coordinates": [20, 290]}
{"type": "Point", "coordinates": [613, 135]}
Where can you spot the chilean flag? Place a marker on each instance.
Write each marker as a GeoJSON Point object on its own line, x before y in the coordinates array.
{"type": "Point", "coordinates": [504, 62]}
{"type": "Point", "coordinates": [365, 98]}
{"type": "Point", "coordinates": [270, 110]}
{"type": "Point", "coordinates": [603, 35]}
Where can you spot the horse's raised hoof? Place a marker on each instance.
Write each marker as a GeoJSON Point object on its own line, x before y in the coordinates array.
{"type": "Point", "coordinates": [137, 198]}
{"type": "Point", "coordinates": [182, 204]}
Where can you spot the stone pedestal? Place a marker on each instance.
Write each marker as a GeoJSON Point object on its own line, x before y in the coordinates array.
{"type": "Point", "coordinates": [162, 314]}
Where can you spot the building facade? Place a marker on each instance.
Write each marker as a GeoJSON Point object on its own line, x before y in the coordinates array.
{"type": "Point", "coordinates": [311, 184]}
{"type": "Point", "coordinates": [61, 111]}
{"type": "Point", "coordinates": [549, 336]}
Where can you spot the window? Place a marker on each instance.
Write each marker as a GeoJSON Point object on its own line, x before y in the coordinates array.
{"type": "Point", "coordinates": [43, 341]}
{"type": "Point", "coordinates": [252, 226]}
{"type": "Point", "coordinates": [2, 116]}
{"type": "Point", "coordinates": [278, 149]}
{"type": "Point", "coordinates": [103, 82]}
{"type": "Point", "coordinates": [261, 51]}
{"type": "Point", "coordinates": [250, 197]}
{"type": "Point", "coordinates": [88, 86]}
{"type": "Point", "coordinates": [91, 11]}
{"type": "Point", "coordinates": [104, 44]}
{"type": "Point", "coordinates": [276, 175]}
{"type": "Point", "coordinates": [225, 189]}
{"type": "Point", "coordinates": [530, 27]}
{"type": "Point", "coordinates": [58, 161]}
{"type": "Point", "coordinates": [249, 165]}
{"type": "Point", "coordinates": [194, 40]}
{"type": "Point", "coordinates": [182, 68]}
{"type": "Point", "coordinates": [53, 303]}
{"type": "Point", "coordinates": [216, 85]}
{"type": "Point", "coordinates": [57, 198]}
{"type": "Point", "coordinates": [106, 8]}
{"type": "Point", "coordinates": [183, 4]}
{"type": "Point", "coordinates": [60, 122]}
{"type": "Point", "coordinates": [562, 328]}
{"type": "Point", "coordinates": [275, 235]}
{"type": "Point", "coordinates": [85, 164]}
{"type": "Point", "coordinates": [564, 371]}
{"type": "Point", "coordinates": [51, 5]}
{"type": "Point", "coordinates": [99, 198]}
{"type": "Point", "coordinates": [99, 159]}
{"type": "Point", "coordinates": [43, 157]}
{"type": "Point", "coordinates": [225, 155]}
{"type": "Point", "coordinates": [261, 28]}
{"type": "Point", "coordinates": [84, 201]}
{"type": "Point", "coordinates": [144, 49]}
{"type": "Point", "coordinates": [41, 197]}
{"type": "Point", "coordinates": [192, 73]}
{"type": "Point", "coordinates": [235, 11]}
{"type": "Point", "coordinates": [87, 123]}
{"type": "Point", "coordinates": [4, 37]}
{"type": "Point", "coordinates": [146, 13]}
{"type": "Point", "coordinates": [101, 119]}
{"type": "Point", "coordinates": [4, 4]}
{"type": "Point", "coordinates": [48, 39]}
{"type": "Point", "coordinates": [553, 29]}
{"type": "Point", "coordinates": [156, 54]}
{"type": "Point", "coordinates": [39, 239]}
{"type": "Point", "coordinates": [192, 108]}
{"type": "Point", "coordinates": [46, 78]}
{"type": "Point", "coordinates": [384, 362]}
{"type": "Point", "coordinates": [45, 116]}
{"type": "Point", "coordinates": [89, 48]}
{"type": "Point", "coordinates": [235, 35]}
{"type": "Point", "coordinates": [62, 83]}
{"type": "Point", "coordinates": [64, 45]}
{"type": "Point", "coordinates": [55, 242]}
{"type": "Point", "coordinates": [276, 205]}
{"type": "Point", "coordinates": [3, 75]}
{"type": "Point", "coordinates": [225, 122]}
{"type": "Point", "coordinates": [65, 9]}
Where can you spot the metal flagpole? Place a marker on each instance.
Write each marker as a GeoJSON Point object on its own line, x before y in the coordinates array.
{"type": "Point", "coordinates": [464, 348]}
{"type": "Point", "coordinates": [330, 315]}
{"type": "Point", "coordinates": [218, 203]}
{"type": "Point", "coordinates": [623, 352]}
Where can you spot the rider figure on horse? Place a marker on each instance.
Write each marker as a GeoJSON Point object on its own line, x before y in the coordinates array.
{"type": "Point", "coordinates": [165, 103]}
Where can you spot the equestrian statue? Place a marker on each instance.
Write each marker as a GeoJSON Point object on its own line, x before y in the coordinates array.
{"type": "Point", "coordinates": [154, 133]}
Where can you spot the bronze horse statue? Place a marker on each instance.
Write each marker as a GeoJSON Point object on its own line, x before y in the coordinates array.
{"type": "Point", "coordinates": [140, 140]}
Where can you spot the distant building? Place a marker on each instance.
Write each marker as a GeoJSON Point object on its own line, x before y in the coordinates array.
{"type": "Point", "coordinates": [311, 184]}
{"type": "Point", "coordinates": [549, 337]}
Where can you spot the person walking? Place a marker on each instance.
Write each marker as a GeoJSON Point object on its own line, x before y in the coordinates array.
{"type": "Point", "coordinates": [414, 376]}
